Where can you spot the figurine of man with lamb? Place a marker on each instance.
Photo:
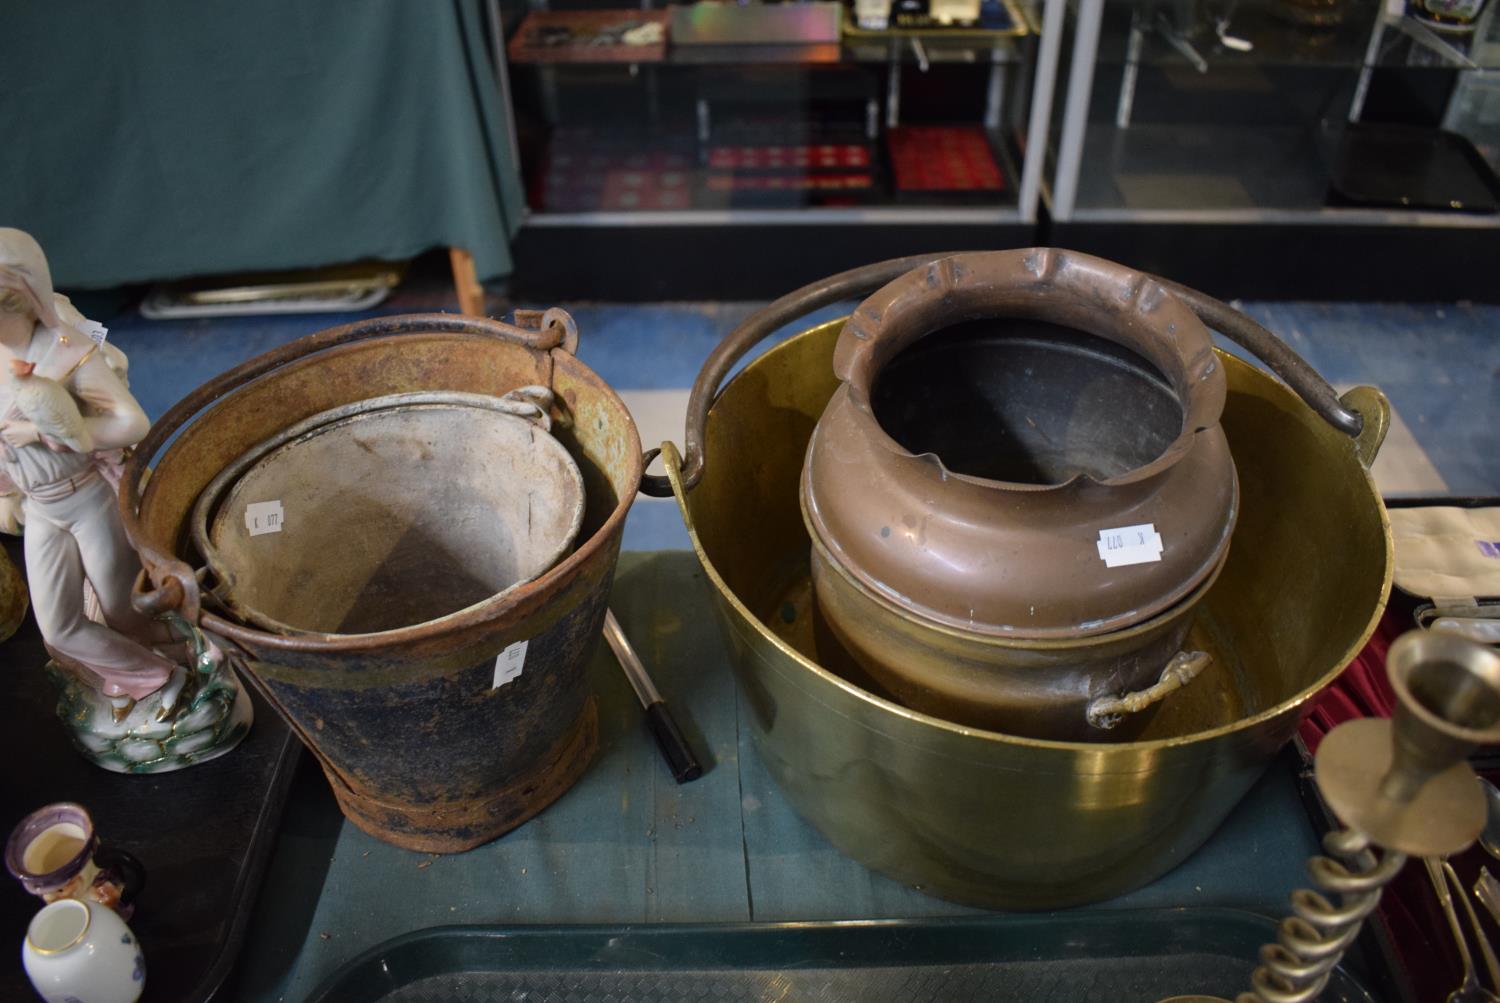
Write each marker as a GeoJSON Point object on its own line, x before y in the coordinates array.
{"type": "Point", "coordinates": [136, 695]}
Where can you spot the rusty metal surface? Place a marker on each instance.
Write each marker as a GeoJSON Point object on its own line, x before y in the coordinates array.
{"type": "Point", "coordinates": [1004, 821]}
{"type": "Point", "coordinates": [420, 747]}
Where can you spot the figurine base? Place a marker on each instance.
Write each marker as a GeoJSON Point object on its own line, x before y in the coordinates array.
{"type": "Point", "coordinates": [210, 717]}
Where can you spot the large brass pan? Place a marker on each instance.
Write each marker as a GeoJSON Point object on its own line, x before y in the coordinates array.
{"type": "Point", "coordinates": [1018, 823]}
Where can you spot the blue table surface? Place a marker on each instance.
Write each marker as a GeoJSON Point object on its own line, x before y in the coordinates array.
{"type": "Point", "coordinates": [628, 845]}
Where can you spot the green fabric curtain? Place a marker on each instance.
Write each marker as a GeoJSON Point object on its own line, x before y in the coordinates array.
{"type": "Point", "coordinates": [147, 141]}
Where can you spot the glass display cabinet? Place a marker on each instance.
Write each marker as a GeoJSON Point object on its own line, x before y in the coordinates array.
{"type": "Point", "coordinates": [730, 150]}
{"type": "Point", "coordinates": [1291, 148]}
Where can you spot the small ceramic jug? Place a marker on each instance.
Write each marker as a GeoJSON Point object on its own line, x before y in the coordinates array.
{"type": "Point", "coordinates": [78, 951]}
{"type": "Point", "coordinates": [55, 853]}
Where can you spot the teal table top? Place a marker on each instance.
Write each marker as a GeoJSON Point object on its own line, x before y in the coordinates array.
{"type": "Point", "coordinates": [628, 845]}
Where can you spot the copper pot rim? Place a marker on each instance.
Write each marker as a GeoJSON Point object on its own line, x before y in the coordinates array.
{"type": "Point", "coordinates": [884, 309]}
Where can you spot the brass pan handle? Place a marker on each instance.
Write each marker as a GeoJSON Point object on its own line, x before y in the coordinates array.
{"type": "Point", "coordinates": [751, 331]}
{"type": "Point", "coordinates": [1277, 356]}
{"type": "Point", "coordinates": [1275, 353]}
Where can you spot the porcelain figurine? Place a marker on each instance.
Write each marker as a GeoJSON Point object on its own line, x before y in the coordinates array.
{"type": "Point", "coordinates": [78, 951]}
{"type": "Point", "coordinates": [136, 696]}
{"type": "Point", "coordinates": [55, 853]}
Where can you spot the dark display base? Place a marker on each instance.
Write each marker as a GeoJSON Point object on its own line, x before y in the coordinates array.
{"type": "Point", "coordinates": [632, 263]}
{"type": "Point", "coordinates": [1301, 262]}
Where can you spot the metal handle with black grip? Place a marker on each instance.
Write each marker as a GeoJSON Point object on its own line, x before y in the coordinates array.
{"type": "Point", "coordinates": [669, 737]}
{"type": "Point", "coordinates": [672, 743]}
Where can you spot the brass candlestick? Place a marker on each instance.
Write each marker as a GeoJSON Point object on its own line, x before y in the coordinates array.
{"type": "Point", "coordinates": [1401, 787]}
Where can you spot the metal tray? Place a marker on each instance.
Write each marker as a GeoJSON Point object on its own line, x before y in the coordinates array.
{"type": "Point", "coordinates": [1409, 167]}
{"type": "Point", "coordinates": [1119, 957]}
{"type": "Point", "coordinates": [203, 834]}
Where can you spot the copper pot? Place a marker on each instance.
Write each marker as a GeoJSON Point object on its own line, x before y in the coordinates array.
{"type": "Point", "coordinates": [1020, 490]}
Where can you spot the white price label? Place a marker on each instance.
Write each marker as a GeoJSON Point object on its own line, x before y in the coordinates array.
{"type": "Point", "coordinates": [509, 663]}
{"type": "Point", "coordinates": [95, 330]}
{"type": "Point", "coordinates": [264, 517]}
{"type": "Point", "coordinates": [1128, 545]}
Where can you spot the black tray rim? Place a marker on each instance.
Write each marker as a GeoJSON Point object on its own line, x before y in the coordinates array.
{"type": "Point", "coordinates": [371, 975]}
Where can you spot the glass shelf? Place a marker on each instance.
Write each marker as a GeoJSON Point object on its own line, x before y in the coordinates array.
{"type": "Point", "coordinates": [892, 126]}
{"type": "Point", "coordinates": [1227, 173]}
{"type": "Point", "coordinates": [1273, 38]}
{"type": "Point", "coordinates": [1266, 33]}
{"type": "Point", "coordinates": [1260, 119]}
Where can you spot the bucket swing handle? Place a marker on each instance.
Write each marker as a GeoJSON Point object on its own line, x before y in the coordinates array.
{"type": "Point", "coordinates": [1353, 414]}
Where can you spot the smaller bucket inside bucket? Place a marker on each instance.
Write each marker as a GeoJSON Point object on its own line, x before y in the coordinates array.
{"type": "Point", "coordinates": [394, 517]}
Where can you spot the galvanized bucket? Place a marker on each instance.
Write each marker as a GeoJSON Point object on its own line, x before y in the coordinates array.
{"type": "Point", "coordinates": [989, 818]}
{"type": "Point", "coordinates": [428, 737]}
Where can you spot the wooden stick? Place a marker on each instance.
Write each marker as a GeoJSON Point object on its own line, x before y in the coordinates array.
{"type": "Point", "coordinates": [466, 282]}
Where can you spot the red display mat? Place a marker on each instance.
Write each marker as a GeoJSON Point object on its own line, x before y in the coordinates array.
{"type": "Point", "coordinates": [789, 175]}
{"type": "Point", "coordinates": [584, 173]}
{"type": "Point", "coordinates": [789, 182]}
{"type": "Point", "coordinates": [823, 156]}
{"type": "Point", "coordinates": [943, 158]}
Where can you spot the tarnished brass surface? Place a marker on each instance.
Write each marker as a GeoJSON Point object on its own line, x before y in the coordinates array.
{"type": "Point", "coordinates": [421, 749]}
{"type": "Point", "coordinates": [1008, 822]}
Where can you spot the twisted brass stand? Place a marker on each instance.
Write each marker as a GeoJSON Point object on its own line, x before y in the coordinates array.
{"type": "Point", "coordinates": [1401, 787]}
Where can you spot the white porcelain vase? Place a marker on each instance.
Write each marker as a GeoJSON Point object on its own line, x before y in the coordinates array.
{"type": "Point", "coordinates": [82, 952]}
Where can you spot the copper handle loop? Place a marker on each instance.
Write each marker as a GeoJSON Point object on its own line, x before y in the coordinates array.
{"type": "Point", "coordinates": [172, 581]}
{"type": "Point", "coordinates": [1277, 356]}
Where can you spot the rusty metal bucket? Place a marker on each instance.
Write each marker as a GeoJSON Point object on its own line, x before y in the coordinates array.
{"type": "Point", "coordinates": [424, 740]}
{"type": "Point", "coordinates": [995, 819]}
